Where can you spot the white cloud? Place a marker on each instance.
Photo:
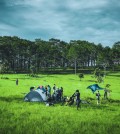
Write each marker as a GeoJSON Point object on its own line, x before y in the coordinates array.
{"type": "Point", "coordinates": [72, 4]}
{"type": "Point", "coordinates": [66, 20]}
{"type": "Point", "coordinates": [86, 4]}
{"type": "Point", "coordinates": [6, 27]}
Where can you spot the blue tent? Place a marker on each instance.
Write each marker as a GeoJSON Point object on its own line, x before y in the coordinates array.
{"type": "Point", "coordinates": [33, 96]}
{"type": "Point", "coordinates": [94, 87]}
{"type": "Point", "coordinates": [36, 95]}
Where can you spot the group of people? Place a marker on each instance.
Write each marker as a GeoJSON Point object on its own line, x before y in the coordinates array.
{"type": "Point", "coordinates": [55, 94]}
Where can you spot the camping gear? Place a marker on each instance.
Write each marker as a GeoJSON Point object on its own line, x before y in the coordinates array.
{"type": "Point", "coordinates": [94, 87]}
{"type": "Point", "coordinates": [36, 95]}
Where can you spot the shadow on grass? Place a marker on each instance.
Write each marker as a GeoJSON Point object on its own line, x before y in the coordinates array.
{"type": "Point", "coordinates": [11, 99]}
{"type": "Point", "coordinates": [91, 81]}
{"type": "Point", "coordinates": [29, 77]}
{"type": "Point", "coordinates": [72, 79]}
{"type": "Point", "coordinates": [99, 107]}
{"type": "Point", "coordinates": [93, 106]}
{"type": "Point", "coordinates": [17, 99]}
{"type": "Point", "coordinates": [116, 75]}
{"type": "Point", "coordinates": [114, 101]}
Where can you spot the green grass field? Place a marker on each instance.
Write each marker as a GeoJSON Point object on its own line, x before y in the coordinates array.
{"type": "Point", "coordinates": [19, 117]}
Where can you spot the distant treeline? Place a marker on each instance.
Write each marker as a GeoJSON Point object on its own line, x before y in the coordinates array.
{"type": "Point", "coordinates": [20, 55]}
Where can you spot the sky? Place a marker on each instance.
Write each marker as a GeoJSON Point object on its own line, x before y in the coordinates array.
{"type": "Point", "coordinates": [95, 21]}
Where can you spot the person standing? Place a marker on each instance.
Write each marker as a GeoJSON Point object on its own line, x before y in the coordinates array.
{"type": "Point", "coordinates": [107, 91]}
{"type": "Point", "coordinates": [54, 88]}
{"type": "Point", "coordinates": [105, 94]}
{"type": "Point", "coordinates": [98, 98]}
{"type": "Point", "coordinates": [49, 90]}
{"type": "Point", "coordinates": [17, 81]}
{"type": "Point", "coordinates": [77, 94]}
{"type": "Point", "coordinates": [61, 89]}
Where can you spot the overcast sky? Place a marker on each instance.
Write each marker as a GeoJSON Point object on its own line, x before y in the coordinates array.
{"type": "Point", "coordinates": [96, 21]}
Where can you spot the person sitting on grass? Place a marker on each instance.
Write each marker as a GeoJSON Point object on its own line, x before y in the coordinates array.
{"type": "Point", "coordinates": [64, 100]}
{"type": "Point", "coordinates": [70, 101]}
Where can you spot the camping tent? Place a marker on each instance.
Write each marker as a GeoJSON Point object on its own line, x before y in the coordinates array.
{"type": "Point", "coordinates": [36, 95]}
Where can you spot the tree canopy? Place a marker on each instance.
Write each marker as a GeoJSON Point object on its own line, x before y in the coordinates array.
{"type": "Point", "coordinates": [20, 55]}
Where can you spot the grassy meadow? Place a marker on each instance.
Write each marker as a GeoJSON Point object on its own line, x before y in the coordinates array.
{"type": "Point", "coordinates": [19, 117]}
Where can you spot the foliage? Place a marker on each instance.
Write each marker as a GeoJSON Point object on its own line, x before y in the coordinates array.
{"type": "Point", "coordinates": [21, 55]}
{"type": "Point", "coordinates": [81, 75]}
{"type": "Point", "coordinates": [98, 74]}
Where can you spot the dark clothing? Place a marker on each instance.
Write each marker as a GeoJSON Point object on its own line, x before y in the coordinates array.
{"type": "Point", "coordinates": [61, 92]}
{"type": "Point", "coordinates": [78, 103]}
{"type": "Point", "coordinates": [64, 100]}
{"type": "Point", "coordinates": [17, 82]}
{"type": "Point", "coordinates": [105, 95]}
{"type": "Point", "coordinates": [98, 96]}
{"type": "Point", "coordinates": [77, 99]}
{"type": "Point", "coordinates": [78, 96]}
{"type": "Point", "coordinates": [49, 89]}
{"type": "Point", "coordinates": [54, 87]}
